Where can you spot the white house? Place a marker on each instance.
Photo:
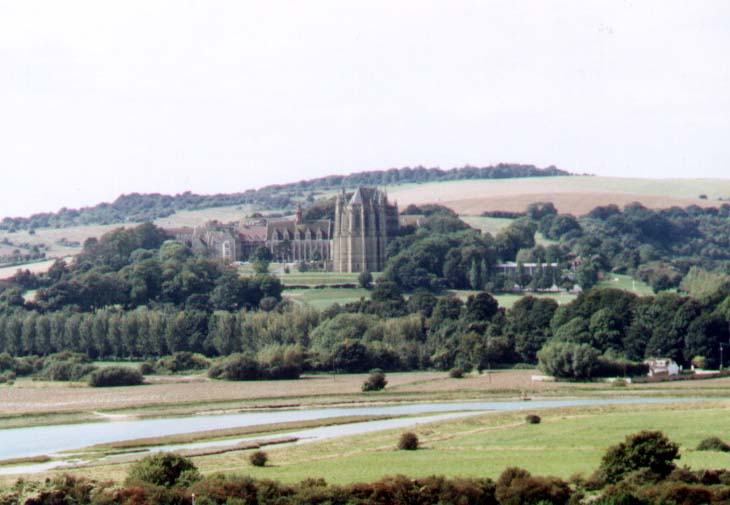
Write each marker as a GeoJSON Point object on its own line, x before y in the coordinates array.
{"type": "Point", "coordinates": [662, 366]}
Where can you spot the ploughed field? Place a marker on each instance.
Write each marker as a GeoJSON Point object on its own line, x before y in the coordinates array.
{"type": "Point", "coordinates": [575, 195]}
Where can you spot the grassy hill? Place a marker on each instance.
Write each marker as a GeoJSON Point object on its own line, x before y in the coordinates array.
{"type": "Point", "coordinates": [65, 242]}
{"type": "Point", "coordinates": [573, 194]}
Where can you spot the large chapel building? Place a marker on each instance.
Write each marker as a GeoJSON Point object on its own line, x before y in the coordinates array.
{"type": "Point", "coordinates": [354, 242]}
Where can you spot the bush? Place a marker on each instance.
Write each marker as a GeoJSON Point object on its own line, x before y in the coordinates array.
{"type": "Point", "coordinates": [278, 363]}
{"type": "Point", "coordinates": [258, 458]}
{"type": "Point", "coordinates": [63, 366]}
{"type": "Point", "coordinates": [649, 450]}
{"type": "Point", "coordinates": [408, 441]}
{"type": "Point", "coordinates": [456, 373]}
{"type": "Point", "coordinates": [163, 469]}
{"type": "Point", "coordinates": [182, 361]}
{"type": "Point", "coordinates": [365, 279]}
{"type": "Point", "coordinates": [65, 371]}
{"type": "Point", "coordinates": [115, 376]}
{"type": "Point", "coordinates": [517, 487]}
{"type": "Point", "coordinates": [147, 368]}
{"type": "Point", "coordinates": [236, 367]}
{"type": "Point", "coordinates": [375, 382]}
{"type": "Point", "coordinates": [532, 419]}
{"type": "Point", "coordinates": [713, 444]}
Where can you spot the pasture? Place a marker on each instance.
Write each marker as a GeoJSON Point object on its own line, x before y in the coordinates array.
{"type": "Point", "coordinates": [322, 298]}
{"type": "Point", "coordinates": [576, 195]}
{"type": "Point", "coordinates": [567, 441]}
{"type": "Point", "coordinates": [295, 278]}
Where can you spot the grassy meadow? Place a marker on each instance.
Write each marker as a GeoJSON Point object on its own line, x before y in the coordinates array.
{"type": "Point", "coordinates": [568, 441]}
{"type": "Point", "coordinates": [322, 298]}
{"type": "Point", "coordinates": [295, 278]}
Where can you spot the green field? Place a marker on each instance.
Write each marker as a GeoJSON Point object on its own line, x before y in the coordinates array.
{"type": "Point", "coordinates": [317, 278]}
{"type": "Point", "coordinates": [626, 283]}
{"type": "Point", "coordinates": [489, 225]}
{"type": "Point", "coordinates": [323, 298]}
{"type": "Point", "coordinates": [568, 441]}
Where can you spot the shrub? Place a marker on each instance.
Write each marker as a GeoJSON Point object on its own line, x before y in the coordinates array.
{"type": "Point", "coordinates": [147, 368]}
{"type": "Point", "coordinates": [6, 362]}
{"type": "Point", "coordinates": [532, 419]}
{"type": "Point", "coordinates": [517, 487]}
{"type": "Point", "coordinates": [649, 450]}
{"type": "Point", "coordinates": [619, 495]}
{"type": "Point", "coordinates": [456, 373]}
{"type": "Point", "coordinates": [258, 458]}
{"type": "Point", "coordinates": [375, 382]}
{"type": "Point", "coordinates": [408, 441]}
{"type": "Point", "coordinates": [65, 371]}
{"type": "Point", "coordinates": [281, 362]}
{"type": "Point", "coordinates": [277, 363]}
{"type": "Point", "coordinates": [713, 444]}
{"type": "Point", "coordinates": [699, 362]}
{"type": "Point", "coordinates": [115, 376]}
{"type": "Point", "coordinates": [182, 361]}
{"type": "Point", "coordinates": [268, 303]}
{"type": "Point", "coordinates": [163, 469]}
{"type": "Point", "coordinates": [236, 367]}
{"type": "Point", "coordinates": [365, 279]}
{"type": "Point", "coordinates": [66, 366]}
{"type": "Point", "coordinates": [27, 365]}
{"type": "Point", "coordinates": [670, 492]}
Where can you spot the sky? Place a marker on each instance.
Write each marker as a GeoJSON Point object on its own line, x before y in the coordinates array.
{"type": "Point", "coordinates": [103, 98]}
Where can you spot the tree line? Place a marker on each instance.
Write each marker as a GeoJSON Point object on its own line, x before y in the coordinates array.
{"type": "Point", "coordinates": [136, 207]}
{"type": "Point", "coordinates": [389, 332]}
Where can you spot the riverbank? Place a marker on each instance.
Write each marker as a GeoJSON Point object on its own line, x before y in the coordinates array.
{"type": "Point", "coordinates": [34, 403]}
{"type": "Point", "coordinates": [569, 439]}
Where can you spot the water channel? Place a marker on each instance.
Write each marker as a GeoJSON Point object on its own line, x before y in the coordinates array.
{"type": "Point", "coordinates": [50, 440]}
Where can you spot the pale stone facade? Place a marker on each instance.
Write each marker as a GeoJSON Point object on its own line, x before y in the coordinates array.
{"type": "Point", "coordinates": [299, 240]}
{"type": "Point", "coordinates": [355, 242]}
{"type": "Point", "coordinates": [362, 227]}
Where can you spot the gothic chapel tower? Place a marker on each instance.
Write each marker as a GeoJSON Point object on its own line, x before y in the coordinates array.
{"type": "Point", "coordinates": [362, 226]}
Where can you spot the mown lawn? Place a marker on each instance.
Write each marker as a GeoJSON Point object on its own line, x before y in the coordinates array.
{"type": "Point", "coordinates": [315, 278]}
{"type": "Point", "coordinates": [568, 441]}
{"type": "Point", "coordinates": [322, 298]}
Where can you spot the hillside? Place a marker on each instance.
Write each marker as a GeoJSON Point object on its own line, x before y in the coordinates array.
{"type": "Point", "coordinates": [574, 195]}
{"type": "Point", "coordinates": [137, 207]}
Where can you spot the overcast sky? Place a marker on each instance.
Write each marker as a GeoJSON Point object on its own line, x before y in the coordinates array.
{"type": "Point", "coordinates": [99, 98]}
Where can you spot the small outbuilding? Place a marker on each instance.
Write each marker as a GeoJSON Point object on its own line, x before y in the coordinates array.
{"type": "Point", "coordinates": [662, 367]}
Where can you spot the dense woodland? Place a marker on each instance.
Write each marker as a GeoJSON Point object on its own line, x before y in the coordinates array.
{"type": "Point", "coordinates": [132, 294]}
{"type": "Point", "coordinates": [137, 207]}
{"type": "Point", "coordinates": [135, 294]}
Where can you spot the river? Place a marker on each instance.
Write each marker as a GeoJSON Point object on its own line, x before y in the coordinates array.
{"type": "Point", "coordinates": [50, 440]}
